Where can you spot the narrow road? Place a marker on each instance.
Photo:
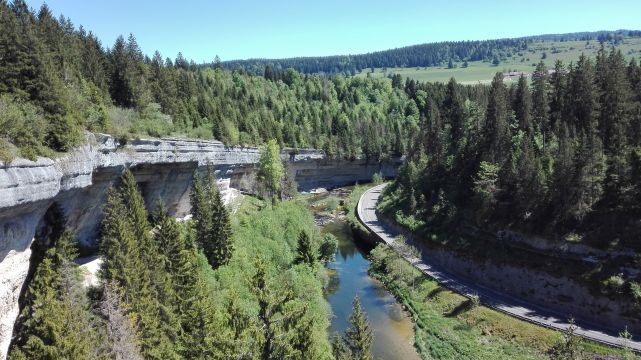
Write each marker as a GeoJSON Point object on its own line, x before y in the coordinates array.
{"type": "Point", "coordinates": [366, 212]}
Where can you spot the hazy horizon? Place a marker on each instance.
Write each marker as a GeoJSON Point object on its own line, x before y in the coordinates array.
{"type": "Point", "coordinates": [282, 29]}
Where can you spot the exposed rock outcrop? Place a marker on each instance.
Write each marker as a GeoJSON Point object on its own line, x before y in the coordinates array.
{"type": "Point", "coordinates": [77, 182]}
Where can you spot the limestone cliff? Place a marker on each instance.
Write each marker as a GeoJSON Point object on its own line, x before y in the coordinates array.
{"type": "Point", "coordinates": [77, 182]}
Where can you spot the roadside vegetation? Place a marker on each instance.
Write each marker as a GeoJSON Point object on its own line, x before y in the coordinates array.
{"type": "Point", "coordinates": [451, 326]}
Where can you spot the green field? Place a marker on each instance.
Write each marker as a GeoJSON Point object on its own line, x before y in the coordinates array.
{"type": "Point", "coordinates": [483, 71]}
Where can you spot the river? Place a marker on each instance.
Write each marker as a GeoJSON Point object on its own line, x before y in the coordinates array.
{"type": "Point", "coordinates": [393, 329]}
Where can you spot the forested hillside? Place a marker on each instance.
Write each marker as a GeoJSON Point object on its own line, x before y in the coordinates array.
{"type": "Point", "coordinates": [56, 80]}
{"type": "Point", "coordinates": [210, 288]}
{"type": "Point", "coordinates": [560, 157]}
{"type": "Point", "coordinates": [423, 55]}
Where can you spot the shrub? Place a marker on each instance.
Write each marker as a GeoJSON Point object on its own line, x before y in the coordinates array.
{"type": "Point", "coordinates": [635, 292]}
{"type": "Point", "coordinates": [614, 284]}
{"type": "Point", "coordinates": [328, 247]}
{"type": "Point", "coordinates": [23, 125]}
{"type": "Point", "coordinates": [377, 178]}
{"type": "Point", "coordinates": [6, 152]}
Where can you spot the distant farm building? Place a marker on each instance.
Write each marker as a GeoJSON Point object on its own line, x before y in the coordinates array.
{"type": "Point", "coordinates": [515, 74]}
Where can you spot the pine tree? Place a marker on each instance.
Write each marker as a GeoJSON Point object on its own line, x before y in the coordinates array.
{"type": "Point", "coordinates": [540, 105]}
{"type": "Point", "coordinates": [126, 263]}
{"type": "Point", "coordinates": [455, 111]}
{"type": "Point", "coordinates": [359, 335]}
{"type": "Point", "coordinates": [580, 98]}
{"type": "Point", "coordinates": [219, 248]}
{"type": "Point", "coordinates": [559, 84]}
{"type": "Point", "coordinates": [55, 322]}
{"type": "Point", "coordinates": [305, 253]}
{"type": "Point", "coordinates": [496, 131]}
{"type": "Point", "coordinates": [340, 349]}
{"type": "Point", "coordinates": [201, 208]}
{"type": "Point", "coordinates": [211, 220]}
{"type": "Point", "coordinates": [523, 106]}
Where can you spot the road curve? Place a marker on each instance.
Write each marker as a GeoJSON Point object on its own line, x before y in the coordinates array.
{"type": "Point", "coordinates": [367, 214]}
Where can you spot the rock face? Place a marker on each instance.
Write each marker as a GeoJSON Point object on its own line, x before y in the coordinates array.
{"type": "Point", "coordinates": [76, 183]}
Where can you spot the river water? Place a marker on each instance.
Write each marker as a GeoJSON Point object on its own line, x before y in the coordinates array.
{"type": "Point", "coordinates": [393, 329]}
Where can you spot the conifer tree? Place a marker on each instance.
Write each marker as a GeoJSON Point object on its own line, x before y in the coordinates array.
{"type": "Point", "coordinates": [540, 105]}
{"type": "Point", "coordinates": [211, 220]}
{"type": "Point", "coordinates": [340, 349]}
{"type": "Point", "coordinates": [55, 322]}
{"type": "Point", "coordinates": [523, 106]}
{"type": "Point", "coordinates": [126, 266]}
{"type": "Point", "coordinates": [305, 253]}
{"type": "Point", "coordinates": [455, 111]}
{"type": "Point", "coordinates": [496, 131]}
{"type": "Point", "coordinates": [359, 335]}
{"type": "Point", "coordinates": [219, 248]}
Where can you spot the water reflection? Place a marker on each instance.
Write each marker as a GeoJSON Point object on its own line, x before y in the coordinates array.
{"type": "Point", "coordinates": [393, 332]}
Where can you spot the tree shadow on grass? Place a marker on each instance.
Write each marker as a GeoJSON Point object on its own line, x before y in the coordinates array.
{"type": "Point", "coordinates": [461, 308]}
{"type": "Point", "coordinates": [434, 293]}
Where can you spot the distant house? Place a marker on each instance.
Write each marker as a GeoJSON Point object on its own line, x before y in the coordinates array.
{"type": "Point", "coordinates": [550, 72]}
{"type": "Point", "coordinates": [515, 74]}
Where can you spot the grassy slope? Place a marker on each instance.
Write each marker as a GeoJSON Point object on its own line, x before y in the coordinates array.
{"type": "Point", "coordinates": [448, 327]}
{"type": "Point", "coordinates": [478, 71]}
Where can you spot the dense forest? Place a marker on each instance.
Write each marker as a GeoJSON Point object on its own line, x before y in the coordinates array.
{"type": "Point", "coordinates": [423, 55]}
{"type": "Point", "coordinates": [209, 288]}
{"type": "Point", "coordinates": [558, 157]}
{"type": "Point", "coordinates": [57, 80]}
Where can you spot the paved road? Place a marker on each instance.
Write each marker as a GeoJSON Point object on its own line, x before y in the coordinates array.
{"type": "Point", "coordinates": [505, 303]}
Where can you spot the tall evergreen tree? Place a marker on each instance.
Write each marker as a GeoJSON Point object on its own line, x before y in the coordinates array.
{"type": "Point", "coordinates": [55, 322]}
{"type": "Point", "coordinates": [455, 111]}
{"type": "Point", "coordinates": [211, 220]}
{"type": "Point", "coordinates": [496, 131]}
{"type": "Point", "coordinates": [540, 104]}
{"type": "Point", "coordinates": [523, 106]}
{"type": "Point", "coordinates": [305, 253]}
{"type": "Point", "coordinates": [359, 334]}
{"type": "Point", "coordinates": [126, 264]}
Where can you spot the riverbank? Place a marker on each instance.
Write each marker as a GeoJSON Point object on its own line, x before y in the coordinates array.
{"type": "Point", "coordinates": [393, 333]}
{"type": "Point", "coordinates": [512, 338]}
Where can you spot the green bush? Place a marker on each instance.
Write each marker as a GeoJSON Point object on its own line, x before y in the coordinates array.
{"type": "Point", "coordinates": [328, 247]}
{"type": "Point", "coordinates": [635, 292]}
{"type": "Point", "coordinates": [614, 284]}
{"type": "Point", "coordinates": [378, 178]}
{"type": "Point", "coordinates": [23, 125]}
{"type": "Point", "coordinates": [6, 152]}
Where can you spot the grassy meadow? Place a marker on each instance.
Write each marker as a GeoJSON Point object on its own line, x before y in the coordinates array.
{"type": "Point", "coordinates": [526, 60]}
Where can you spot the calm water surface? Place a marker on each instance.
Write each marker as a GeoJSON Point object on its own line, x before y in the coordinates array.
{"type": "Point", "coordinates": [393, 332]}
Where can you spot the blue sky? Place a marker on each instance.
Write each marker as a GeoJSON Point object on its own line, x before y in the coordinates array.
{"type": "Point", "coordinates": [236, 29]}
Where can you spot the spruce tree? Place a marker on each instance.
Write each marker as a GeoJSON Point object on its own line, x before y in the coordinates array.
{"type": "Point", "coordinates": [496, 131]}
{"type": "Point", "coordinates": [455, 111]}
{"type": "Point", "coordinates": [359, 335]}
{"type": "Point", "coordinates": [305, 253]}
{"type": "Point", "coordinates": [219, 248]}
{"type": "Point", "coordinates": [125, 245]}
{"type": "Point", "coordinates": [55, 322]}
{"type": "Point", "coordinates": [523, 106]}
{"type": "Point", "coordinates": [540, 105]}
{"type": "Point", "coordinates": [211, 220]}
